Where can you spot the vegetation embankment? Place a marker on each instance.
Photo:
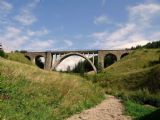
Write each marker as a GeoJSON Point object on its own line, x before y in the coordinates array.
{"type": "Point", "coordinates": [31, 93]}
{"type": "Point", "coordinates": [135, 79]}
{"type": "Point", "coordinates": [15, 56]}
{"type": "Point", "coordinates": [84, 66]}
{"type": "Point", "coordinates": [19, 57]}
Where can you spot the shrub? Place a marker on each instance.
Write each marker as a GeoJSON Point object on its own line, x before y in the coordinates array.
{"type": "Point", "coordinates": [2, 53]}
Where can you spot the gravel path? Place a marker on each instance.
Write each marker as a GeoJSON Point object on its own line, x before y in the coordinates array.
{"type": "Point", "coordinates": [109, 109]}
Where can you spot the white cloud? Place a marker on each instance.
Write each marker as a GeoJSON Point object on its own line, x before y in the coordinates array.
{"type": "Point", "coordinates": [13, 38]}
{"type": "Point", "coordinates": [70, 61]}
{"type": "Point", "coordinates": [139, 29]}
{"type": "Point", "coordinates": [26, 16]}
{"type": "Point", "coordinates": [101, 20]}
{"type": "Point", "coordinates": [5, 6]}
{"type": "Point", "coordinates": [40, 45]}
{"type": "Point", "coordinates": [68, 43]}
{"type": "Point", "coordinates": [143, 14]}
{"type": "Point", "coordinates": [38, 33]}
{"type": "Point", "coordinates": [5, 10]}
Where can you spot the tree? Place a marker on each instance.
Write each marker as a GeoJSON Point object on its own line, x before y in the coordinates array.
{"type": "Point", "coordinates": [68, 69]}
{"type": "Point", "coordinates": [2, 53]}
{"type": "Point", "coordinates": [82, 71]}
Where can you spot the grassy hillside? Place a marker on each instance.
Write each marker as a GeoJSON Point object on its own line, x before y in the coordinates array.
{"type": "Point", "coordinates": [136, 66]}
{"type": "Point", "coordinates": [19, 57]}
{"type": "Point", "coordinates": [136, 78]}
{"type": "Point", "coordinates": [137, 60]}
{"type": "Point", "coordinates": [139, 71]}
{"type": "Point", "coordinates": [29, 93]}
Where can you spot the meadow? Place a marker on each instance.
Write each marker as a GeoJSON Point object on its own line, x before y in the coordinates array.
{"type": "Point", "coordinates": [29, 93]}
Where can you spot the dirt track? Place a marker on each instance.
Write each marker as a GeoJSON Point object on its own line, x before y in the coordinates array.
{"type": "Point", "coordinates": [109, 109]}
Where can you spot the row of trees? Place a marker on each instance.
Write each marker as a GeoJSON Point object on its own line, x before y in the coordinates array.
{"type": "Point", "coordinates": [84, 66]}
{"type": "Point", "coordinates": [155, 44]}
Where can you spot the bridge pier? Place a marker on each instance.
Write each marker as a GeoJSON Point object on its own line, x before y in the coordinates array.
{"type": "Point", "coordinates": [101, 56]}
{"type": "Point", "coordinates": [48, 61]}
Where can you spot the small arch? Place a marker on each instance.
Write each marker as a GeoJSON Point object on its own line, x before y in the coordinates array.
{"type": "Point", "coordinates": [39, 61]}
{"type": "Point", "coordinates": [71, 54]}
{"type": "Point", "coordinates": [124, 55]}
{"type": "Point", "coordinates": [28, 57]}
{"type": "Point", "coordinates": [109, 59]}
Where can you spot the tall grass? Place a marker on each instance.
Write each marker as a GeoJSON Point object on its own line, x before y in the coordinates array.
{"type": "Point", "coordinates": [135, 77]}
{"type": "Point", "coordinates": [28, 93]}
{"type": "Point", "coordinates": [19, 57]}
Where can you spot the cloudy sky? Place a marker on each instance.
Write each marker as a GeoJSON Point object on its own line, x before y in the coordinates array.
{"type": "Point", "coordinates": [39, 25]}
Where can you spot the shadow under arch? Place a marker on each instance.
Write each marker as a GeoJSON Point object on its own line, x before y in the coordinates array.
{"type": "Point", "coordinates": [109, 59]}
{"type": "Point", "coordinates": [39, 62]}
{"type": "Point", "coordinates": [28, 57]}
{"type": "Point", "coordinates": [124, 55]}
{"type": "Point", "coordinates": [71, 54]}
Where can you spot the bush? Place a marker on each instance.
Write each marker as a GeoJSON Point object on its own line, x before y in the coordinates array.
{"type": "Point", "coordinates": [145, 97]}
{"type": "Point", "coordinates": [2, 53]}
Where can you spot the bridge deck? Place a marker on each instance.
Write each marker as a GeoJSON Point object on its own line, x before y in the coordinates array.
{"type": "Point", "coordinates": [76, 51]}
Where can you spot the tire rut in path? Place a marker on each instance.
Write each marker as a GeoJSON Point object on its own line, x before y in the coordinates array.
{"type": "Point", "coordinates": [109, 109]}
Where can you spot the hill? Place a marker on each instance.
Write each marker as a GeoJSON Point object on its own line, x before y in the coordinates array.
{"type": "Point", "coordinates": [28, 92]}
{"type": "Point", "coordinates": [19, 57]}
{"type": "Point", "coordinates": [135, 79]}
{"type": "Point", "coordinates": [139, 71]}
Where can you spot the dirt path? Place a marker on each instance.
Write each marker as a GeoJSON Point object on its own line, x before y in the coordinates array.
{"type": "Point", "coordinates": [109, 109]}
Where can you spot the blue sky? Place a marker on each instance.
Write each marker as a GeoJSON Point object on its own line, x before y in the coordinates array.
{"type": "Point", "coordinates": [40, 25]}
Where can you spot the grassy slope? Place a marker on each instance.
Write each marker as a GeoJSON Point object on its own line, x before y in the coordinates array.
{"type": "Point", "coordinates": [135, 62]}
{"type": "Point", "coordinates": [31, 93]}
{"type": "Point", "coordinates": [135, 77]}
{"type": "Point", "coordinates": [132, 71]}
{"type": "Point", "coordinates": [19, 57]}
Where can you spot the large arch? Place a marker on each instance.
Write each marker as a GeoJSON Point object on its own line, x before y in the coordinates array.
{"type": "Point", "coordinates": [39, 62]}
{"type": "Point", "coordinates": [71, 54]}
{"type": "Point", "coordinates": [109, 59]}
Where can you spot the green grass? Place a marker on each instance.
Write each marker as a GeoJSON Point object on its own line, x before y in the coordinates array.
{"type": "Point", "coordinates": [19, 57]}
{"type": "Point", "coordinates": [138, 111]}
{"type": "Point", "coordinates": [29, 93]}
{"type": "Point", "coordinates": [137, 60]}
{"type": "Point", "coordinates": [132, 73]}
{"type": "Point", "coordinates": [135, 77]}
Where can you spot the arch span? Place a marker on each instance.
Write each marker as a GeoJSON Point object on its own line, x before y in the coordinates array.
{"type": "Point", "coordinates": [39, 62]}
{"type": "Point", "coordinates": [109, 59]}
{"type": "Point", "coordinates": [71, 54]}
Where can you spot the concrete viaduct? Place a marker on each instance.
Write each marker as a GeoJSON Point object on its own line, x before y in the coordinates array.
{"type": "Point", "coordinates": [59, 56]}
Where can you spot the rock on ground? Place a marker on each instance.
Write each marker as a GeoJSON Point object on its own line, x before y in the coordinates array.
{"type": "Point", "coordinates": [109, 109]}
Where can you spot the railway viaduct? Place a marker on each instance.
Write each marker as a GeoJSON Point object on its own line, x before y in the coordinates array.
{"type": "Point", "coordinates": [89, 55]}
